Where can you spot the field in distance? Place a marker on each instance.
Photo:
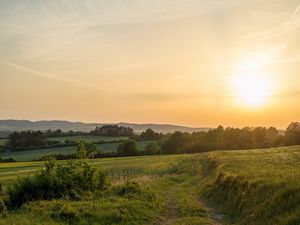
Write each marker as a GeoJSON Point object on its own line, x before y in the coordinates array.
{"type": "Point", "coordinates": [3, 141]}
{"type": "Point", "coordinates": [30, 155]}
{"type": "Point", "coordinates": [87, 138]}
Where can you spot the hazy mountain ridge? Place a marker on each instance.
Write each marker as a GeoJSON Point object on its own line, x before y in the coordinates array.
{"type": "Point", "coordinates": [13, 125]}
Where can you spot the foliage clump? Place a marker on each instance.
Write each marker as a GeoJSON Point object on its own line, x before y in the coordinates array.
{"type": "Point", "coordinates": [128, 148]}
{"type": "Point", "coordinates": [112, 130]}
{"type": "Point", "coordinates": [152, 148]}
{"type": "Point", "coordinates": [68, 180]}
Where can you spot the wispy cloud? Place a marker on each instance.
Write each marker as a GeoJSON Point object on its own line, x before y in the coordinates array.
{"type": "Point", "coordinates": [296, 10]}
{"type": "Point", "coordinates": [48, 76]}
{"type": "Point", "coordinates": [280, 30]}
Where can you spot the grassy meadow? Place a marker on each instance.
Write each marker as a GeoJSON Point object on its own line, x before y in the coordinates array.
{"type": "Point", "coordinates": [3, 141]}
{"type": "Point", "coordinates": [30, 155]}
{"type": "Point", "coordinates": [256, 186]}
{"type": "Point", "coordinates": [249, 187]}
{"type": "Point", "coordinates": [87, 138]}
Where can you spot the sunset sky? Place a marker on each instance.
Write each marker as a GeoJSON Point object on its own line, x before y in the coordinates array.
{"type": "Point", "coordinates": [191, 62]}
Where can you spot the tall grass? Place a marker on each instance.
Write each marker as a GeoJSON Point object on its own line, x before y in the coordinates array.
{"type": "Point", "coordinates": [258, 187]}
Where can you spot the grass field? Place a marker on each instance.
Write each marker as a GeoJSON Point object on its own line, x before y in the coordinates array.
{"type": "Point", "coordinates": [165, 193]}
{"type": "Point", "coordinates": [31, 155]}
{"type": "Point", "coordinates": [141, 164]}
{"type": "Point", "coordinates": [253, 187]}
{"type": "Point", "coordinates": [3, 141]}
{"type": "Point", "coordinates": [87, 138]}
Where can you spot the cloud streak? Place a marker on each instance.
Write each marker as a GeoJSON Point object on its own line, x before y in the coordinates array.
{"type": "Point", "coordinates": [296, 10]}
{"type": "Point", "coordinates": [46, 75]}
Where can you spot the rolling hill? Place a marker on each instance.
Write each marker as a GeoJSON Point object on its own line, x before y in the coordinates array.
{"type": "Point", "coordinates": [13, 125]}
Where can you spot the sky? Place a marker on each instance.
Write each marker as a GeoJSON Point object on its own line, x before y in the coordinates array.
{"type": "Point", "coordinates": [193, 62]}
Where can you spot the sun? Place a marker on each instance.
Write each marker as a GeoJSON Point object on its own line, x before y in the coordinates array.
{"type": "Point", "coordinates": [250, 83]}
{"type": "Point", "coordinates": [251, 89]}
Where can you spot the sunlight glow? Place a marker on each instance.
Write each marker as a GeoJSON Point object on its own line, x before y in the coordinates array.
{"type": "Point", "coordinates": [250, 84]}
{"type": "Point", "coordinates": [252, 90]}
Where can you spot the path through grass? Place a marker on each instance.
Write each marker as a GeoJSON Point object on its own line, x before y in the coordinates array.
{"type": "Point", "coordinates": [182, 202]}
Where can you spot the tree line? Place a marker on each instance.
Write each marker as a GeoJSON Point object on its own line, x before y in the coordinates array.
{"type": "Point", "coordinates": [214, 139]}
{"type": "Point", "coordinates": [28, 140]}
{"type": "Point", "coordinates": [112, 130]}
{"type": "Point", "coordinates": [178, 142]}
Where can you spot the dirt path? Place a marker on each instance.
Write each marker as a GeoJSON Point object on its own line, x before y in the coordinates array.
{"type": "Point", "coordinates": [176, 210]}
{"type": "Point", "coordinates": [170, 213]}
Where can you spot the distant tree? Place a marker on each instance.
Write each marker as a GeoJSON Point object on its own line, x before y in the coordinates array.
{"type": "Point", "coordinates": [293, 134]}
{"type": "Point", "coordinates": [231, 138]}
{"type": "Point", "coordinates": [149, 134]}
{"type": "Point", "coordinates": [152, 149]}
{"type": "Point", "coordinates": [91, 149]}
{"type": "Point", "coordinates": [81, 151]}
{"type": "Point", "coordinates": [214, 138]}
{"type": "Point", "coordinates": [245, 140]}
{"type": "Point", "coordinates": [127, 148]}
{"type": "Point", "coordinates": [260, 137]}
{"type": "Point", "coordinates": [175, 143]}
{"type": "Point", "coordinates": [272, 136]}
{"type": "Point", "coordinates": [26, 139]}
{"type": "Point", "coordinates": [112, 130]}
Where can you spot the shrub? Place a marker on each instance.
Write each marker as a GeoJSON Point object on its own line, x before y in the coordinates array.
{"type": "Point", "coordinates": [56, 181]}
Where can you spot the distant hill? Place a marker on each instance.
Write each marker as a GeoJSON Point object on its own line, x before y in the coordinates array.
{"type": "Point", "coordinates": [164, 128]}
{"type": "Point", "coordinates": [14, 125]}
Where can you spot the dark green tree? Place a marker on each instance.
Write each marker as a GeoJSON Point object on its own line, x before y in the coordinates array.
{"type": "Point", "coordinates": [293, 134]}
{"type": "Point", "coordinates": [149, 134]}
{"type": "Point", "coordinates": [175, 143]}
{"type": "Point", "coordinates": [152, 149]}
{"type": "Point", "coordinates": [127, 148]}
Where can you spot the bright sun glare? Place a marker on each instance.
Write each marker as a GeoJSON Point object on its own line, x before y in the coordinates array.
{"type": "Point", "coordinates": [251, 86]}
{"type": "Point", "coordinates": [252, 90]}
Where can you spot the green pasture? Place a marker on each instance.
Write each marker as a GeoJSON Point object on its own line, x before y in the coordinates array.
{"type": "Point", "coordinates": [31, 155]}
{"type": "Point", "coordinates": [86, 138]}
{"type": "Point", "coordinates": [3, 142]}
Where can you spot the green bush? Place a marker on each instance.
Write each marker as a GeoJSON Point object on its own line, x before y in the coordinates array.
{"type": "Point", "coordinates": [56, 181]}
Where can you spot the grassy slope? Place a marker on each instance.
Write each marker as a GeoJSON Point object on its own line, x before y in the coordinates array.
{"type": "Point", "coordinates": [38, 153]}
{"type": "Point", "coordinates": [257, 187]}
